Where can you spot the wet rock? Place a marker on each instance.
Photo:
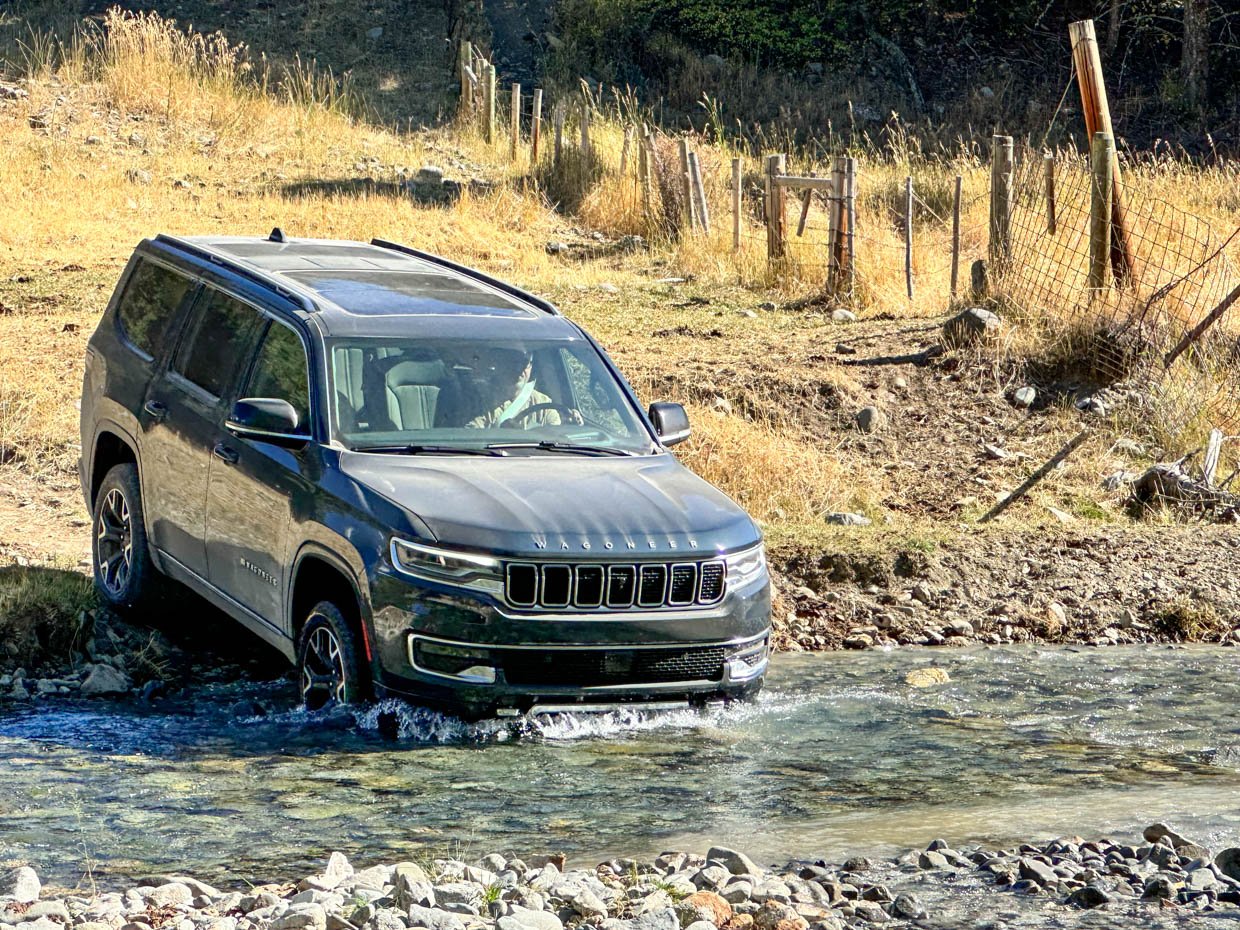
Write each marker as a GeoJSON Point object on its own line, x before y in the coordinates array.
{"type": "Point", "coordinates": [971, 326]}
{"type": "Point", "coordinates": [932, 859]}
{"type": "Point", "coordinates": [1037, 871]}
{"type": "Point", "coordinates": [22, 885]}
{"type": "Point", "coordinates": [1201, 879]}
{"type": "Point", "coordinates": [1228, 862]}
{"type": "Point", "coordinates": [927, 677]}
{"type": "Point", "coordinates": [1157, 831]}
{"type": "Point", "coordinates": [104, 680]}
{"type": "Point", "coordinates": [1159, 887]}
{"type": "Point", "coordinates": [1089, 897]}
{"type": "Point", "coordinates": [906, 907]}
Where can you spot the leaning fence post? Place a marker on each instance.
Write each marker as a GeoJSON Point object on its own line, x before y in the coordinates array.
{"type": "Point", "coordinates": [535, 125]}
{"type": "Point", "coordinates": [488, 103]}
{"type": "Point", "coordinates": [1048, 163]}
{"type": "Point", "coordinates": [1001, 168]}
{"type": "Point", "coordinates": [514, 120]}
{"type": "Point", "coordinates": [1101, 156]}
{"type": "Point", "coordinates": [699, 192]}
{"type": "Point", "coordinates": [908, 235]}
{"type": "Point", "coordinates": [956, 236]}
{"type": "Point", "coordinates": [736, 204]}
{"type": "Point", "coordinates": [585, 129]}
{"type": "Point", "coordinates": [686, 185]}
{"type": "Point", "coordinates": [649, 164]}
{"type": "Point", "coordinates": [624, 151]}
{"type": "Point", "coordinates": [776, 213]}
{"type": "Point", "coordinates": [835, 241]}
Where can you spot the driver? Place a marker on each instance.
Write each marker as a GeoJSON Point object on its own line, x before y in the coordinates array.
{"type": "Point", "coordinates": [513, 391]}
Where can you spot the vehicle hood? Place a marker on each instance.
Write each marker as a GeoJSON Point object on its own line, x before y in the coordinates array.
{"type": "Point", "coordinates": [559, 504]}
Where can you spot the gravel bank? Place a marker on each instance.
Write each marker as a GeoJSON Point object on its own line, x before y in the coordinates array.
{"type": "Point", "coordinates": [723, 890]}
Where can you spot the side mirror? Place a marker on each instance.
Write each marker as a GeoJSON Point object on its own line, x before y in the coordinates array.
{"type": "Point", "coordinates": [671, 423]}
{"type": "Point", "coordinates": [267, 419]}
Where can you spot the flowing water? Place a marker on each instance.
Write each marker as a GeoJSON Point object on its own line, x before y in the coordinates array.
{"type": "Point", "coordinates": [839, 757]}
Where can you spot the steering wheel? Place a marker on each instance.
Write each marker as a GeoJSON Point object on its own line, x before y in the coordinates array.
{"type": "Point", "coordinates": [538, 408]}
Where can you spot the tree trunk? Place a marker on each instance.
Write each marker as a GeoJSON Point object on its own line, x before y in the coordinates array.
{"type": "Point", "coordinates": [1115, 9]}
{"type": "Point", "coordinates": [1195, 60]}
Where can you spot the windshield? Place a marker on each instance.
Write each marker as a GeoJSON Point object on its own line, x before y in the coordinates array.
{"type": "Point", "coordinates": [443, 394]}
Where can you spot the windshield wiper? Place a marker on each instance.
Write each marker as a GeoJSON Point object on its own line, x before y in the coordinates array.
{"type": "Point", "coordinates": [430, 450]}
{"type": "Point", "coordinates": [551, 446]}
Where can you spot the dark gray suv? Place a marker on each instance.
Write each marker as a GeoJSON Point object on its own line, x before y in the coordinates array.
{"type": "Point", "coordinates": [410, 478]}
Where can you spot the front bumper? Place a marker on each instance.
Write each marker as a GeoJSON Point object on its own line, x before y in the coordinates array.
{"type": "Point", "coordinates": [469, 656]}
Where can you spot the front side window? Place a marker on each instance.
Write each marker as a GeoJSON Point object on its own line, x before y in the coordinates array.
{"type": "Point", "coordinates": [479, 393]}
{"type": "Point", "coordinates": [215, 345]}
{"type": "Point", "coordinates": [149, 304]}
{"type": "Point", "coordinates": [280, 371]}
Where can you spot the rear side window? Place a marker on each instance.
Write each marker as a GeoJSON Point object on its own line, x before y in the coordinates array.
{"type": "Point", "coordinates": [216, 343]}
{"type": "Point", "coordinates": [151, 298]}
{"type": "Point", "coordinates": [281, 372]}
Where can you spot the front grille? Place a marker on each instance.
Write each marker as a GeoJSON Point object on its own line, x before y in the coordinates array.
{"type": "Point", "coordinates": [645, 586]}
{"type": "Point", "coordinates": [585, 667]}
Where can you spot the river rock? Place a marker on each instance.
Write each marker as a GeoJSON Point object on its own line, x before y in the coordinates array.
{"type": "Point", "coordinates": [927, 677]}
{"type": "Point", "coordinates": [932, 859]}
{"type": "Point", "coordinates": [906, 907]}
{"type": "Point", "coordinates": [411, 870]}
{"type": "Point", "coordinates": [701, 925]}
{"type": "Point", "coordinates": [1024, 397]}
{"type": "Point", "coordinates": [170, 895]}
{"type": "Point", "coordinates": [104, 679]}
{"type": "Point", "coordinates": [377, 877]}
{"type": "Point", "coordinates": [1201, 879]}
{"type": "Point", "coordinates": [704, 905]}
{"type": "Point", "coordinates": [523, 918]}
{"type": "Point", "coordinates": [53, 910]}
{"type": "Point", "coordinates": [383, 919]}
{"type": "Point", "coordinates": [735, 862]}
{"type": "Point", "coordinates": [775, 916]}
{"type": "Point", "coordinates": [408, 892]}
{"type": "Point", "coordinates": [457, 893]}
{"type": "Point", "coordinates": [1159, 887]}
{"type": "Point", "coordinates": [664, 919]}
{"type": "Point", "coordinates": [41, 923]}
{"type": "Point", "coordinates": [870, 419]}
{"type": "Point", "coordinates": [338, 870]}
{"type": "Point", "coordinates": [305, 917]}
{"type": "Point", "coordinates": [713, 876]}
{"type": "Point", "coordinates": [434, 919]}
{"type": "Point", "coordinates": [1040, 872]}
{"type": "Point", "coordinates": [1228, 862]}
{"type": "Point", "coordinates": [22, 885]}
{"type": "Point", "coordinates": [1089, 897]}
{"type": "Point", "coordinates": [1157, 831]}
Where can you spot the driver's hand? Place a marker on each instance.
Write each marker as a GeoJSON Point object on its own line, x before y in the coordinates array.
{"type": "Point", "coordinates": [575, 417]}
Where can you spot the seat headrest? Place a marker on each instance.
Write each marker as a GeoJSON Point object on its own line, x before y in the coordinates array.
{"type": "Point", "coordinates": [404, 374]}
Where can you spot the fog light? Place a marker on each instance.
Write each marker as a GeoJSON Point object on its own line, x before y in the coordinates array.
{"type": "Point", "coordinates": [483, 674]}
{"type": "Point", "coordinates": [458, 661]}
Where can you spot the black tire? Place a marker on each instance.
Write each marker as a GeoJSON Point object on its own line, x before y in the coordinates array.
{"type": "Point", "coordinates": [329, 666]}
{"type": "Point", "coordinates": [120, 552]}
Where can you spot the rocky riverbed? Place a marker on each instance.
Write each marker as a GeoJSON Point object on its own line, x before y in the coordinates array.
{"type": "Point", "coordinates": [722, 890]}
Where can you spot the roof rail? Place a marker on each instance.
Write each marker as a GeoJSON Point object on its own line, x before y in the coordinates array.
{"type": "Point", "coordinates": [510, 289]}
{"type": "Point", "coordinates": [239, 268]}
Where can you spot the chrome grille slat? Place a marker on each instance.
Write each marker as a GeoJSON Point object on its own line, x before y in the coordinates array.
{"type": "Point", "coordinates": [625, 586]}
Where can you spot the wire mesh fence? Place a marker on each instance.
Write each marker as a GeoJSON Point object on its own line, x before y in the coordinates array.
{"type": "Point", "coordinates": [1138, 328]}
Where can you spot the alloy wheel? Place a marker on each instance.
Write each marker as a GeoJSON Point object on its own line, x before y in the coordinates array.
{"type": "Point", "coordinates": [322, 671]}
{"type": "Point", "coordinates": [114, 543]}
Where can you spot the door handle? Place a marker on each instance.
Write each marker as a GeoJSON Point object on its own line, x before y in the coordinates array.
{"type": "Point", "coordinates": [157, 410]}
{"type": "Point", "coordinates": [225, 454]}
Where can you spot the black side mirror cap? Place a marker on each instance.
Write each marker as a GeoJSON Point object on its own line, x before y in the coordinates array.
{"type": "Point", "coordinates": [267, 419]}
{"type": "Point", "coordinates": [671, 423]}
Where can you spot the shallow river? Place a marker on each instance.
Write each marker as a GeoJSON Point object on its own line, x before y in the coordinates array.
{"type": "Point", "coordinates": [839, 757]}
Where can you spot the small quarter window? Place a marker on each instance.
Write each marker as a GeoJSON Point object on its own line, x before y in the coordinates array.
{"type": "Point", "coordinates": [149, 303]}
{"type": "Point", "coordinates": [216, 344]}
{"type": "Point", "coordinates": [281, 372]}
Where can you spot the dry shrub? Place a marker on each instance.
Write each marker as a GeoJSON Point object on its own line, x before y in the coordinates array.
{"type": "Point", "coordinates": [43, 614]}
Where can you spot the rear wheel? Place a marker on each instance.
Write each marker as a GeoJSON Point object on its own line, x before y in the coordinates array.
{"type": "Point", "coordinates": [329, 667]}
{"type": "Point", "coordinates": [120, 553]}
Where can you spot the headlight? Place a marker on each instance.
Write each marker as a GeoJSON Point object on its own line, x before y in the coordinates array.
{"type": "Point", "coordinates": [447, 566]}
{"type": "Point", "coordinates": [744, 567]}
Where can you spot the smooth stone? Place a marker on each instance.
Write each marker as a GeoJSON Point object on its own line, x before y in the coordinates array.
{"type": "Point", "coordinates": [523, 918]}
{"type": "Point", "coordinates": [1228, 862]}
{"type": "Point", "coordinates": [1089, 897]}
{"type": "Point", "coordinates": [735, 862]}
{"type": "Point", "coordinates": [906, 907]}
{"type": "Point", "coordinates": [22, 885]}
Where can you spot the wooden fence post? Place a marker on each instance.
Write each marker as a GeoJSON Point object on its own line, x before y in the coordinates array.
{"type": "Point", "coordinates": [686, 185]}
{"type": "Point", "coordinates": [488, 103]}
{"type": "Point", "coordinates": [1048, 163]}
{"type": "Point", "coordinates": [535, 125]}
{"type": "Point", "coordinates": [835, 226]}
{"type": "Point", "coordinates": [736, 204]}
{"type": "Point", "coordinates": [514, 120]}
{"type": "Point", "coordinates": [956, 236]}
{"type": "Point", "coordinates": [1097, 112]}
{"type": "Point", "coordinates": [465, 55]}
{"type": "Point", "coordinates": [776, 208]}
{"type": "Point", "coordinates": [624, 150]}
{"type": "Point", "coordinates": [1001, 169]}
{"type": "Point", "coordinates": [908, 235]}
{"type": "Point", "coordinates": [699, 192]}
{"type": "Point", "coordinates": [558, 119]}
{"type": "Point", "coordinates": [1101, 160]}
{"type": "Point", "coordinates": [850, 220]}
{"type": "Point", "coordinates": [649, 163]}
{"type": "Point", "coordinates": [585, 129]}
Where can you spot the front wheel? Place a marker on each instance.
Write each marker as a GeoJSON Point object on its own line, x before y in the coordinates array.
{"type": "Point", "coordinates": [120, 553]}
{"type": "Point", "coordinates": [329, 669]}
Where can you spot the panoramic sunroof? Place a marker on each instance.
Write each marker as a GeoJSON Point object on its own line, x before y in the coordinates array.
{"type": "Point", "coordinates": [406, 292]}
